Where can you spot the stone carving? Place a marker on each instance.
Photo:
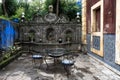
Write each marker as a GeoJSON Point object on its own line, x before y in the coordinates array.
{"type": "Point", "coordinates": [50, 34]}
{"type": "Point", "coordinates": [38, 18]}
{"type": "Point", "coordinates": [51, 28]}
{"type": "Point", "coordinates": [50, 17]}
{"type": "Point", "coordinates": [50, 8]}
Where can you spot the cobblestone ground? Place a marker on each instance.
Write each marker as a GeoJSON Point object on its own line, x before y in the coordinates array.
{"type": "Point", "coordinates": [85, 68]}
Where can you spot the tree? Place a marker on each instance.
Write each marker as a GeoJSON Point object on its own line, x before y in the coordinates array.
{"type": "Point", "coordinates": [70, 8]}
{"type": "Point", "coordinates": [18, 13]}
{"type": "Point", "coordinates": [67, 7]}
{"type": "Point", "coordinates": [10, 10]}
{"type": "Point", "coordinates": [4, 8]}
{"type": "Point", "coordinates": [1, 11]}
{"type": "Point", "coordinates": [57, 7]}
{"type": "Point", "coordinates": [32, 8]}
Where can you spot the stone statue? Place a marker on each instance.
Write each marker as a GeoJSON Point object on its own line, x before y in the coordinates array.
{"type": "Point", "coordinates": [50, 17]}
{"type": "Point", "coordinates": [50, 8]}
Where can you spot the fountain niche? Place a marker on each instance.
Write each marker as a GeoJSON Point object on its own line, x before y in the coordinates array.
{"type": "Point", "coordinates": [68, 35]}
{"type": "Point", "coordinates": [51, 30]}
{"type": "Point", "coordinates": [50, 35]}
{"type": "Point", "coordinates": [32, 35]}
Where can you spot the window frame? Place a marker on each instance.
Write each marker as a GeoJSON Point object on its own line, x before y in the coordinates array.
{"type": "Point", "coordinates": [117, 43]}
{"type": "Point", "coordinates": [99, 4]}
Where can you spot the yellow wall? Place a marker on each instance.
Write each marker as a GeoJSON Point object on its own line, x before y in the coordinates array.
{"type": "Point", "coordinates": [84, 21]}
{"type": "Point", "coordinates": [117, 56]}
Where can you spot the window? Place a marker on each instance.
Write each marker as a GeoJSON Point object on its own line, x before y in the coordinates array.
{"type": "Point", "coordinates": [96, 19]}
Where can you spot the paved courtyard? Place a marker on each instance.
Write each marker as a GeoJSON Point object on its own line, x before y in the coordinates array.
{"type": "Point", "coordinates": [86, 68]}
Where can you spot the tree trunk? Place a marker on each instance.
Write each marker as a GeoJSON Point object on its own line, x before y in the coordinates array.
{"type": "Point", "coordinates": [57, 7]}
{"type": "Point", "coordinates": [4, 8]}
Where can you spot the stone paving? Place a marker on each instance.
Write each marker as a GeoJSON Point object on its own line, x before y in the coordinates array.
{"type": "Point", "coordinates": [85, 68]}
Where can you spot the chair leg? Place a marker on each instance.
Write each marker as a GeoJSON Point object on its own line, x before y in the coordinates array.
{"type": "Point", "coordinates": [33, 62]}
{"type": "Point", "coordinates": [66, 68]}
{"type": "Point", "coordinates": [40, 63]}
{"type": "Point", "coordinates": [46, 63]}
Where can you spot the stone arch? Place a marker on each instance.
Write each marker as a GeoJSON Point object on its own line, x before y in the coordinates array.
{"type": "Point", "coordinates": [31, 34]}
{"type": "Point", "coordinates": [69, 35]}
{"type": "Point", "coordinates": [50, 34]}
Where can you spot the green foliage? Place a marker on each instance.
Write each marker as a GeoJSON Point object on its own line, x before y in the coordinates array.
{"type": "Point", "coordinates": [24, 7]}
{"type": "Point", "coordinates": [18, 13]}
{"type": "Point", "coordinates": [32, 8]}
{"type": "Point", "coordinates": [11, 9]}
{"type": "Point", "coordinates": [69, 8]}
{"type": "Point", "coordinates": [7, 55]}
{"type": "Point", "coordinates": [15, 8]}
{"type": "Point", "coordinates": [1, 11]}
{"type": "Point", "coordinates": [4, 17]}
{"type": "Point", "coordinates": [47, 3]}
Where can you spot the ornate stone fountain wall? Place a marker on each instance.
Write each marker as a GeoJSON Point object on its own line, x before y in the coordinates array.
{"type": "Point", "coordinates": [49, 29]}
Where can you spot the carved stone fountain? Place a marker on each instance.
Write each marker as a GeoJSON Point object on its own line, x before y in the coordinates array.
{"type": "Point", "coordinates": [49, 29]}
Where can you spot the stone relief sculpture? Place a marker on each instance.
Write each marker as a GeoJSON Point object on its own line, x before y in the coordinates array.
{"type": "Point", "coordinates": [50, 17]}
{"type": "Point", "coordinates": [52, 28]}
{"type": "Point", "coordinates": [50, 34]}
{"type": "Point", "coordinates": [50, 8]}
{"type": "Point", "coordinates": [32, 35]}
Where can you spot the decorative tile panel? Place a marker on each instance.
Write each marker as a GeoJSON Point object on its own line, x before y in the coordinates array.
{"type": "Point", "coordinates": [96, 42]}
{"type": "Point", "coordinates": [109, 50]}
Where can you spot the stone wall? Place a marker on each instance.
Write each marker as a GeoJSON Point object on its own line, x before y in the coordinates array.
{"type": "Point", "coordinates": [46, 31]}
{"type": "Point", "coordinates": [59, 31]}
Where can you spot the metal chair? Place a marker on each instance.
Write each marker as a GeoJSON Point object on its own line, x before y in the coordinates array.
{"type": "Point", "coordinates": [38, 56]}
{"type": "Point", "coordinates": [68, 61]}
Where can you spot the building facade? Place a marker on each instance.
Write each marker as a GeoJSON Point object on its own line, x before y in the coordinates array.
{"type": "Point", "coordinates": [103, 30]}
